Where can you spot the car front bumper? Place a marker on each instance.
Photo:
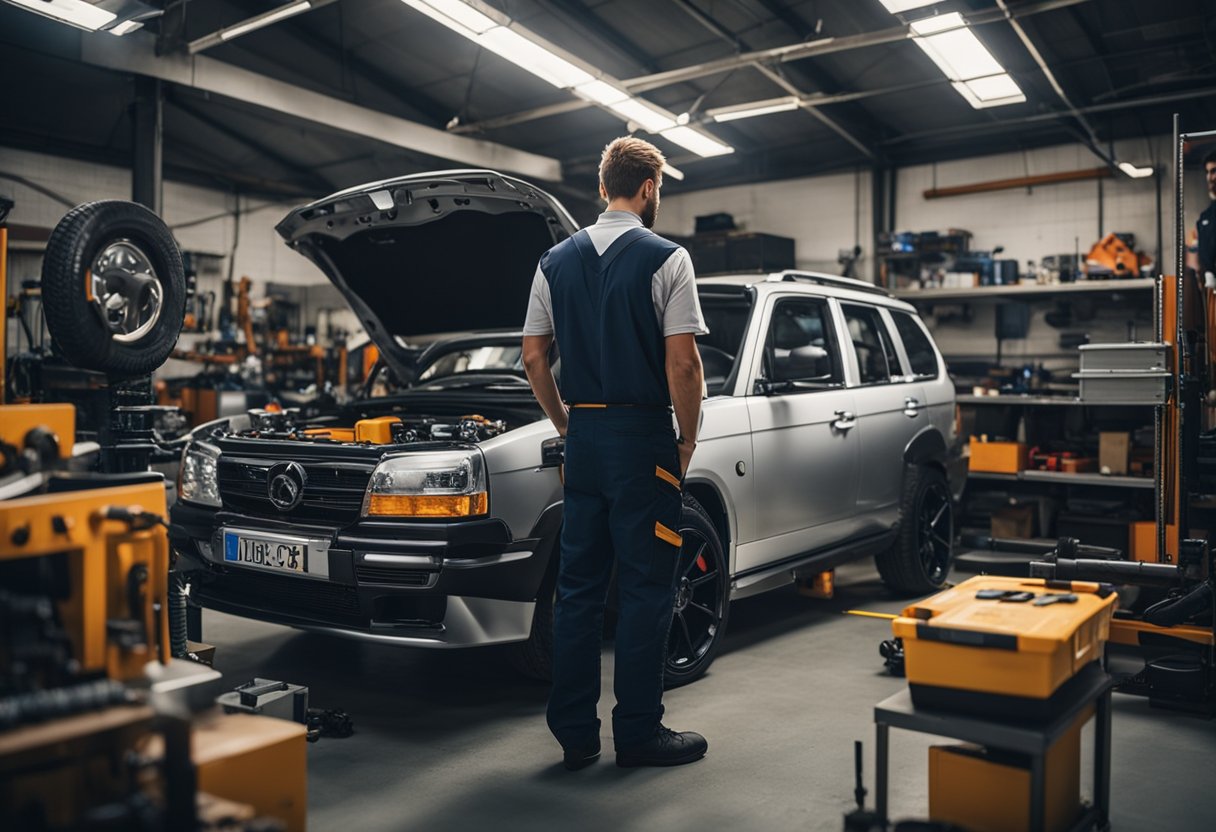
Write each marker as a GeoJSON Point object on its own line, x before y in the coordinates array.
{"type": "Point", "coordinates": [441, 585]}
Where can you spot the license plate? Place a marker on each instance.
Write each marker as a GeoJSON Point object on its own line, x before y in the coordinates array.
{"type": "Point", "coordinates": [267, 551]}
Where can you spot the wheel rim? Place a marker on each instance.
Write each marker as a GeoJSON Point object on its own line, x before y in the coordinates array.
{"type": "Point", "coordinates": [699, 604]}
{"type": "Point", "coordinates": [125, 290]}
{"type": "Point", "coordinates": [935, 532]}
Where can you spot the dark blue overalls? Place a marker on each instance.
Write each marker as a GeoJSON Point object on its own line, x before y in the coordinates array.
{"type": "Point", "coordinates": [622, 487]}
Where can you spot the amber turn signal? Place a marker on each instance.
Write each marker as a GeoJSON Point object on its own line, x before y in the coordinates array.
{"type": "Point", "coordinates": [414, 505]}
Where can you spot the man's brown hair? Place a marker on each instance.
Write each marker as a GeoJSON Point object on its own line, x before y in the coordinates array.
{"type": "Point", "coordinates": [627, 163]}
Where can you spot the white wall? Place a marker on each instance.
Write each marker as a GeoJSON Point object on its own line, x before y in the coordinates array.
{"type": "Point", "coordinates": [260, 252]}
{"type": "Point", "coordinates": [1050, 219]}
{"type": "Point", "coordinates": [823, 214]}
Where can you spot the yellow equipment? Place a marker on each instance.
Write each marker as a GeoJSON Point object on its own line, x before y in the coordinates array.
{"type": "Point", "coordinates": [1002, 644]}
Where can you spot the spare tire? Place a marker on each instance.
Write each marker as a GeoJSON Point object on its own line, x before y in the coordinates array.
{"type": "Point", "coordinates": [113, 288]}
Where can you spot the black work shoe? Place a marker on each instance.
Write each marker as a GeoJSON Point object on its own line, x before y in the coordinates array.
{"type": "Point", "coordinates": [575, 758]}
{"type": "Point", "coordinates": [665, 748]}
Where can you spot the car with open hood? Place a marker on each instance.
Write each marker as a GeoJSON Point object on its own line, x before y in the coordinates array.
{"type": "Point", "coordinates": [428, 515]}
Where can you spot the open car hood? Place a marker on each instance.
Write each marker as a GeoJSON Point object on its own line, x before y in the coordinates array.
{"type": "Point", "coordinates": [431, 252]}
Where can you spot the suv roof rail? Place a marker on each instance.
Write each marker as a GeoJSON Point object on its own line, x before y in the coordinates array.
{"type": "Point", "coordinates": [829, 280]}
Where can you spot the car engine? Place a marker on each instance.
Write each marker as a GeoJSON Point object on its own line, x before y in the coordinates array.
{"type": "Point", "coordinates": [289, 425]}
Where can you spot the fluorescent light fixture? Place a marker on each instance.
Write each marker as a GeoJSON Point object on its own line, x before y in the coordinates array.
{"type": "Point", "coordinates": [74, 12]}
{"type": "Point", "coordinates": [958, 53]}
{"type": "Point", "coordinates": [1135, 172]}
{"type": "Point", "coordinates": [274, 16]}
{"type": "Point", "coordinates": [752, 109]}
{"type": "Point", "coordinates": [125, 28]}
{"type": "Point", "coordinates": [601, 92]}
{"type": "Point", "coordinates": [646, 116]}
{"type": "Point", "coordinates": [455, 14]}
{"type": "Point", "coordinates": [533, 57]}
{"type": "Point", "coordinates": [696, 141]}
{"type": "Point", "coordinates": [898, 6]}
{"type": "Point", "coordinates": [673, 172]}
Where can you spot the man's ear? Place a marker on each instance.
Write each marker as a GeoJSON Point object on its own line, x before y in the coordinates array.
{"type": "Point", "coordinates": [603, 192]}
{"type": "Point", "coordinates": [647, 189]}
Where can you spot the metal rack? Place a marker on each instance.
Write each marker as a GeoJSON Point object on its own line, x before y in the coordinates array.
{"type": "Point", "coordinates": [1020, 292]}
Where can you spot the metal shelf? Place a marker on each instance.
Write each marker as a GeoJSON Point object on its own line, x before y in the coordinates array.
{"type": "Point", "coordinates": [1112, 481]}
{"type": "Point", "coordinates": [999, 293]}
{"type": "Point", "coordinates": [1008, 400]}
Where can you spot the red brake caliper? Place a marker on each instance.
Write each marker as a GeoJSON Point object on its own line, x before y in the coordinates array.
{"type": "Point", "coordinates": [701, 564]}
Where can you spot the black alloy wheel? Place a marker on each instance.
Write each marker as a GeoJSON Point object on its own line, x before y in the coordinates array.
{"type": "Point", "coordinates": [935, 532]}
{"type": "Point", "coordinates": [702, 604]}
{"type": "Point", "coordinates": [919, 559]}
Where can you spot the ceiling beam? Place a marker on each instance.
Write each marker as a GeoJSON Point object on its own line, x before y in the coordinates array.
{"type": "Point", "coordinates": [254, 23]}
{"type": "Point", "coordinates": [774, 55]}
{"type": "Point", "coordinates": [136, 55]}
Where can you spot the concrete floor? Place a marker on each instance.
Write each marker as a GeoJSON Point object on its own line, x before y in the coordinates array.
{"type": "Point", "coordinates": [457, 741]}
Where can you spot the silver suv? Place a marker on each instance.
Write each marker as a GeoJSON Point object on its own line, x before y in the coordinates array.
{"type": "Point", "coordinates": [427, 514]}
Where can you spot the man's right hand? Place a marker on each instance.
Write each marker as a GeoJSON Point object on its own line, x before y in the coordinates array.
{"type": "Point", "coordinates": [685, 449]}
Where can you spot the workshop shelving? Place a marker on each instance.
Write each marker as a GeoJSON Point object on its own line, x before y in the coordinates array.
{"type": "Point", "coordinates": [1065, 478]}
{"type": "Point", "coordinates": [1024, 291]}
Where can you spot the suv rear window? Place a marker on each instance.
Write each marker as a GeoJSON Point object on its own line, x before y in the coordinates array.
{"type": "Point", "coordinates": [917, 345]}
{"type": "Point", "coordinates": [877, 360]}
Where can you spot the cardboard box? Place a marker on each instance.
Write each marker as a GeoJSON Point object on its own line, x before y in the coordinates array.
{"type": "Point", "coordinates": [1012, 522]}
{"type": "Point", "coordinates": [997, 457]}
{"type": "Point", "coordinates": [1142, 535]}
{"type": "Point", "coordinates": [1079, 465]}
{"type": "Point", "coordinates": [986, 791]}
{"type": "Point", "coordinates": [1114, 450]}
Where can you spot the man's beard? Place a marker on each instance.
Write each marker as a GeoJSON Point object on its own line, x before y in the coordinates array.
{"type": "Point", "coordinates": [650, 212]}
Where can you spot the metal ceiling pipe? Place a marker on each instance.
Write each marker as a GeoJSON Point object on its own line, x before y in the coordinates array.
{"type": "Point", "coordinates": [1093, 143]}
{"type": "Point", "coordinates": [779, 54]}
{"type": "Point", "coordinates": [252, 24]}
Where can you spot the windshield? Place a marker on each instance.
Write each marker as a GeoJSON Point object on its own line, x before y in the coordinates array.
{"type": "Point", "coordinates": [479, 359]}
{"type": "Point", "coordinates": [726, 317]}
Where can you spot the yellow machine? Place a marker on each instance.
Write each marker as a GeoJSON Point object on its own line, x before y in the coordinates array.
{"type": "Point", "coordinates": [94, 724]}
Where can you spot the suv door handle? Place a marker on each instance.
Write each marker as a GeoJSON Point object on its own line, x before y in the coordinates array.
{"type": "Point", "coordinates": [911, 407]}
{"type": "Point", "coordinates": [845, 419]}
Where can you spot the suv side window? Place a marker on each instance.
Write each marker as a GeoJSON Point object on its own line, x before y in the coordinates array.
{"type": "Point", "coordinates": [877, 360]}
{"type": "Point", "coordinates": [917, 345]}
{"type": "Point", "coordinates": [801, 344]}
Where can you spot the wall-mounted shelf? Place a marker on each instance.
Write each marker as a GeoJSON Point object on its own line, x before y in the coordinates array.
{"type": "Point", "coordinates": [1018, 292]}
{"type": "Point", "coordinates": [1009, 400]}
{"type": "Point", "coordinates": [1062, 477]}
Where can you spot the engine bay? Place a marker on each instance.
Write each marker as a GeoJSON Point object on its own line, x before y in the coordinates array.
{"type": "Point", "coordinates": [291, 425]}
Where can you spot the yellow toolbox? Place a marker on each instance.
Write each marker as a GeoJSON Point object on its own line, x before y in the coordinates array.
{"type": "Point", "coordinates": [997, 645]}
{"type": "Point", "coordinates": [984, 790]}
{"type": "Point", "coordinates": [996, 457]}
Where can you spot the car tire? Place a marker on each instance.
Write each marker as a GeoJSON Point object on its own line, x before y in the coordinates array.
{"type": "Point", "coordinates": [113, 288]}
{"type": "Point", "coordinates": [534, 658]}
{"type": "Point", "coordinates": [919, 560]}
{"type": "Point", "coordinates": [702, 602]}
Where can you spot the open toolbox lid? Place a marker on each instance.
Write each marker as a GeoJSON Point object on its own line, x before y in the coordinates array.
{"type": "Point", "coordinates": [958, 616]}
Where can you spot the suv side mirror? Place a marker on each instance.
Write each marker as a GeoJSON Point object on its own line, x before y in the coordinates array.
{"type": "Point", "coordinates": [807, 363]}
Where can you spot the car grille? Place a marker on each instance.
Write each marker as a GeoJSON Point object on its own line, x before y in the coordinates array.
{"type": "Point", "coordinates": [388, 576]}
{"type": "Point", "coordinates": [315, 600]}
{"type": "Point", "coordinates": [333, 492]}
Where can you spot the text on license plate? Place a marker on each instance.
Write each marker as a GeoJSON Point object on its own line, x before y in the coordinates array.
{"type": "Point", "coordinates": [268, 554]}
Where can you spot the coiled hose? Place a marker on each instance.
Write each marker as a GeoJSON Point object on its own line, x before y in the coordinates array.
{"type": "Point", "coordinates": [179, 601]}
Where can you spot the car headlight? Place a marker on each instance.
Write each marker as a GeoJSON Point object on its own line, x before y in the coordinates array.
{"type": "Point", "coordinates": [430, 484]}
{"type": "Point", "coordinates": [196, 482]}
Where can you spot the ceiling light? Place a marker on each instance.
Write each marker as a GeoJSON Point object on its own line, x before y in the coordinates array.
{"type": "Point", "coordinates": [673, 172]}
{"type": "Point", "coordinates": [755, 108]}
{"type": "Point", "coordinates": [649, 118]}
{"type": "Point", "coordinates": [533, 57]}
{"type": "Point", "coordinates": [125, 28]}
{"type": "Point", "coordinates": [898, 6]}
{"type": "Point", "coordinates": [1135, 172]}
{"type": "Point", "coordinates": [273, 16]}
{"type": "Point", "coordinates": [696, 141]}
{"type": "Point", "coordinates": [455, 14]}
{"type": "Point", "coordinates": [601, 93]}
{"type": "Point", "coordinates": [958, 53]}
{"type": "Point", "coordinates": [74, 12]}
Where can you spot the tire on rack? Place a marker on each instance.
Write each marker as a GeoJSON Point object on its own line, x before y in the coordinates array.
{"type": "Point", "coordinates": [919, 560]}
{"type": "Point", "coordinates": [113, 288]}
{"type": "Point", "coordinates": [702, 600]}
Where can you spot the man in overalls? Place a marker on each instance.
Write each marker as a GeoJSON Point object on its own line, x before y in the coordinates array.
{"type": "Point", "coordinates": [622, 304]}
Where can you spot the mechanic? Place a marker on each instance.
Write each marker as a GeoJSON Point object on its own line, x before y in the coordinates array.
{"type": "Point", "coordinates": [622, 304]}
{"type": "Point", "coordinates": [1205, 230]}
